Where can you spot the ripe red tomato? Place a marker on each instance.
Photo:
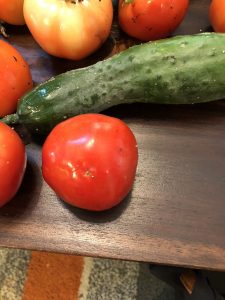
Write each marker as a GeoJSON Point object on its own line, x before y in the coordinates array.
{"type": "Point", "coordinates": [90, 161]}
{"type": "Point", "coordinates": [12, 163]}
{"type": "Point", "coordinates": [12, 12]}
{"type": "Point", "coordinates": [217, 15]}
{"type": "Point", "coordinates": [150, 20]}
{"type": "Point", "coordinates": [69, 29]}
{"type": "Point", "coordinates": [15, 78]}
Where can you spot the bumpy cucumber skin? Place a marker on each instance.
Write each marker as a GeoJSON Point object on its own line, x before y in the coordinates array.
{"type": "Point", "coordinates": [179, 70]}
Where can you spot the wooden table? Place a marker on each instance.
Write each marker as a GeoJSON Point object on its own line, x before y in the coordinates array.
{"type": "Point", "coordinates": [176, 212]}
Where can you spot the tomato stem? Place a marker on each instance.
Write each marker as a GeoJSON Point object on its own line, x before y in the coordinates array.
{"type": "Point", "coordinates": [128, 1]}
{"type": "Point", "coordinates": [2, 30]}
{"type": "Point", "coordinates": [10, 119]}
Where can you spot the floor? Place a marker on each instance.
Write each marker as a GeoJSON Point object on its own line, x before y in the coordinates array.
{"type": "Point", "coordinates": [26, 275]}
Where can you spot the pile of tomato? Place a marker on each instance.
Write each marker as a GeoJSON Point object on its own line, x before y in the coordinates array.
{"type": "Point", "coordinates": [90, 161]}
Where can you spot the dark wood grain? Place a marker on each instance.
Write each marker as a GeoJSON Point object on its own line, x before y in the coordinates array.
{"type": "Point", "coordinates": [175, 213]}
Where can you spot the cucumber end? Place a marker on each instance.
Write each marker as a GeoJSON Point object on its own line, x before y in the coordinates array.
{"type": "Point", "coordinates": [10, 119]}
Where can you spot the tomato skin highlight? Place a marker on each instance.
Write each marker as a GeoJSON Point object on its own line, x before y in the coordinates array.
{"type": "Point", "coordinates": [11, 12]}
{"type": "Point", "coordinates": [150, 20]}
{"type": "Point", "coordinates": [90, 161]}
{"type": "Point", "coordinates": [66, 29]}
{"type": "Point", "coordinates": [217, 15]}
{"type": "Point", "coordinates": [16, 78]}
{"type": "Point", "coordinates": [12, 163]}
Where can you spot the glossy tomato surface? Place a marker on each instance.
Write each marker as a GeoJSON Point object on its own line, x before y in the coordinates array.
{"type": "Point", "coordinates": [11, 11]}
{"type": "Point", "coordinates": [217, 15]}
{"type": "Point", "coordinates": [12, 163]}
{"type": "Point", "coordinates": [15, 78]}
{"type": "Point", "coordinates": [69, 29]}
{"type": "Point", "coordinates": [150, 20]}
{"type": "Point", "coordinates": [90, 161]}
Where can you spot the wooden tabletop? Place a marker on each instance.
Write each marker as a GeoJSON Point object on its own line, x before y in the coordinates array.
{"type": "Point", "coordinates": [175, 213]}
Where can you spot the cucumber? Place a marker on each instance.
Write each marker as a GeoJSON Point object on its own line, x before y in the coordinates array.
{"type": "Point", "coordinates": [179, 70]}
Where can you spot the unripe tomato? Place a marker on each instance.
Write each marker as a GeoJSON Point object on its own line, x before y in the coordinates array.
{"type": "Point", "coordinates": [71, 29]}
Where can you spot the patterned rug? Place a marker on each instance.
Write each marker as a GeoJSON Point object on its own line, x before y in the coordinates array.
{"type": "Point", "coordinates": [27, 275]}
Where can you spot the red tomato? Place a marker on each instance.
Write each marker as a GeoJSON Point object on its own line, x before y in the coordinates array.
{"type": "Point", "coordinates": [12, 163]}
{"type": "Point", "coordinates": [15, 78]}
{"type": "Point", "coordinates": [11, 11]}
{"type": "Point", "coordinates": [90, 161]}
{"type": "Point", "coordinates": [150, 20]}
{"type": "Point", "coordinates": [217, 15]}
{"type": "Point", "coordinates": [69, 29]}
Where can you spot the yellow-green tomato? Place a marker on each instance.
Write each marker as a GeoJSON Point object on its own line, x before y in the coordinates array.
{"type": "Point", "coordinates": [71, 29]}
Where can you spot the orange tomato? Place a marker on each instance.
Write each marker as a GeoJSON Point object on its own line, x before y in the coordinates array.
{"type": "Point", "coordinates": [15, 78]}
{"type": "Point", "coordinates": [150, 20]}
{"type": "Point", "coordinates": [69, 29]}
{"type": "Point", "coordinates": [217, 15]}
{"type": "Point", "coordinates": [11, 12]}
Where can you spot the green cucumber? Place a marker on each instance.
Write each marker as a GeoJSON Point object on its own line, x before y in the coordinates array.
{"type": "Point", "coordinates": [179, 70]}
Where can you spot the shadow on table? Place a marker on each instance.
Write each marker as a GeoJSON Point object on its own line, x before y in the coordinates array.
{"type": "Point", "coordinates": [102, 216]}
